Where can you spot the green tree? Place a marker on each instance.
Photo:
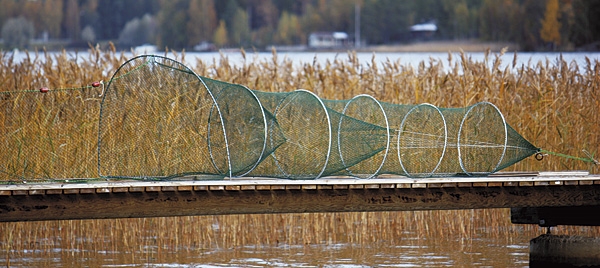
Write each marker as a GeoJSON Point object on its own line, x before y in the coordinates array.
{"type": "Point", "coordinates": [288, 30]}
{"type": "Point", "coordinates": [385, 21]}
{"type": "Point", "coordinates": [172, 24]}
{"type": "Point", "coordinates": [264, 14]}
{"type": "Point", "coordinates": [9, 10]}
{"type": "Point", "coordinates": [17, 32]}
{"type": "Point", "coordinates": [71, 25]}
{"type": "Point", "coordinates": [311, 20]}
{"type": "Point", "coordinates": [338, 15]}
{"type": "Point", "coordinates": [496, 18]}
{"type": "Point", "coordinates": [220, 37]}
{"type": "Point", "coordinates": [31, 11]}
{"type": "Point", "coordinates": [53, 13]}
{"type": "Point", "coordinates": [202, 22]}
{"type": "Point", "coordinates": [113, 17]}
{"type": "Point", "coordinates": [550, 31]}
{"type": "Point", "coordinates": [230, 12]}
{"type": "Point", "coordinates": [90, 18]}
{"type": "Point", "coordinates": [586, 24]}
{"type": "Point", "coordinates": [526, 23]}
{"type": "Point", "coordinates": [460, 20]}
{"type": "Point", "coordinates": [114, 14]}
{"type": "Point", "coordinates": [239, 30]}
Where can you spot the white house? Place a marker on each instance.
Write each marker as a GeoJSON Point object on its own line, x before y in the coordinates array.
{"type": "Point", "coordinates": [327, 39]}
{"type": "Point", "coordinates": [423, 31]}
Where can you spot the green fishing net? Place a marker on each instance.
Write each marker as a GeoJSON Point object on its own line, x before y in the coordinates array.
{"type": "Point", "coordinates": [159, 119]}
{"type": "Point", "coordinates": [38, 139]}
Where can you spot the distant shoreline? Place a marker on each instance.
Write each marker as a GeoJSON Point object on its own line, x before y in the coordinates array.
{"type": "Point", "coordinates": [445, 46]}
{"type": "Point", "coordinates": [417, 47]}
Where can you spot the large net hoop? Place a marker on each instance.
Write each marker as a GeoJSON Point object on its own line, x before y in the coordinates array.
{"type": "Point", "coordinates": [301, 156]}
{"type": "Point", "coordinates": [153, 121]}
{"type": "Point", "coordinates": [482, 135]}
{"type": "Point", "coordinates": [244, 132]}
{"type": "Point", "coordinates": [422, 140]}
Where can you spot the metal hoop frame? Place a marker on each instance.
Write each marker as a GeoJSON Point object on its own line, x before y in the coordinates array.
{"type": "Point", "coordinates": [328, 129]}
{"type": "Point", "coordinates": [152, 59]}
{"type": "Point", "coordinates": [460, 160]}
{"type": "Point", "coordinates": [387, 127]}
{"type": "Point", "coordinates": [231, 175]}
{"type": "Point", "coordinates": [400, 131]}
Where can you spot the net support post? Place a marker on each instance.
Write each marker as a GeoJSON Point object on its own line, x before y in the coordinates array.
{"type": "Point", "coordinates": [550, 250]}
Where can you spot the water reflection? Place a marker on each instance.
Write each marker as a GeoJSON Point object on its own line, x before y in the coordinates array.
{"type": "Point", "coordinates": [383, 239]}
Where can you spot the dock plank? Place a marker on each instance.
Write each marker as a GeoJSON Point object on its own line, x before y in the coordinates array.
{"type": "Point", "coordinates": [122, 199]}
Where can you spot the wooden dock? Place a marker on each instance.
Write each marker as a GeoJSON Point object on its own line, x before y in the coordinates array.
{"type": "Point", "coordinates": [192, 196]}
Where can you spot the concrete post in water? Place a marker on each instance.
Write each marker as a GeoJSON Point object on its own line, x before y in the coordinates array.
{"type": "Point", "coordinates": [564, 251]}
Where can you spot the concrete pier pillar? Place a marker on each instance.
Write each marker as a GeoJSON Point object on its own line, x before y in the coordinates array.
{"type": "Point", "coordinates": [564, 251]}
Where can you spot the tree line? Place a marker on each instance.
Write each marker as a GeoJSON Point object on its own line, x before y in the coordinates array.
{"type": "Point", "coordinates": [178, 24]}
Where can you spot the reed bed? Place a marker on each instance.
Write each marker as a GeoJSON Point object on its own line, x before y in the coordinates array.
{"type": "Point", "coordinates": [162, 239]}
{"type": "Point", "coordinates": [554, 104]}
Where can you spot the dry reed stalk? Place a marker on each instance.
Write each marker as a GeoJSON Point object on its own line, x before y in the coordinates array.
{"type": "Point", "coordinates": [553, 105]}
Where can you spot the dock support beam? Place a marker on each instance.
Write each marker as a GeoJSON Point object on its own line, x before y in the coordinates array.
{"type": "Point", "coordinates": [553, 216]}
{"type": "Point", "coordinates": [561, 250]}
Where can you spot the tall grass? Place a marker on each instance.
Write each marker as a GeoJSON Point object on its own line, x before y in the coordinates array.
{"type": "Point", "coordinates": [554, 104]}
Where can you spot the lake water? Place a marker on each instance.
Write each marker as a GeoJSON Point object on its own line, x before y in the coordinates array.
{"type": "Point", "coordinates": [470, 238]}
{"type": "Point", "coordinates": [404, 58]}
{"type": "Point", "coordinates": [413, 59]}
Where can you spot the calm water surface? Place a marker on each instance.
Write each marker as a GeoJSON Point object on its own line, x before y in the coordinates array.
{"type": "Point", "coordinates": [404, 58]}
{"type": "Point", "coordinates": [71, 244]}
{"type": "Point", "coordinates": [368, 58]}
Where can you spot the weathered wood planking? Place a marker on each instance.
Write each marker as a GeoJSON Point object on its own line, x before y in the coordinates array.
{"type": "Point", "coordinates": [125, 199]}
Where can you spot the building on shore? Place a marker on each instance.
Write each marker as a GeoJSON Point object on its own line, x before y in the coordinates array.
{"type": "Point", "coordinates": [423, 31]}
{"type": "Point", "coordinates": [328, 40]}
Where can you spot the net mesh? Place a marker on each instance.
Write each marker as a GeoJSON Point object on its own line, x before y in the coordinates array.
{"type": "Point", "coordinates": [38, 139]}
{"type": "Point", "coordinates": [159, 119]}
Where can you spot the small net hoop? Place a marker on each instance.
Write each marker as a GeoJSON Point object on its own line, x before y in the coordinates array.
{"type": "Point", "coordinates": [279, 109]}
{"type": "Point", "coordinates": [488, 144]}
{"type": "Point", "coordinates": [236, 173]}
{"type": "Point", "coordinates": [260, 157]}
{"type": "Point", "coordinates": [387, 127]}
{"type": "Point", "coordinates": [401, 132]}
